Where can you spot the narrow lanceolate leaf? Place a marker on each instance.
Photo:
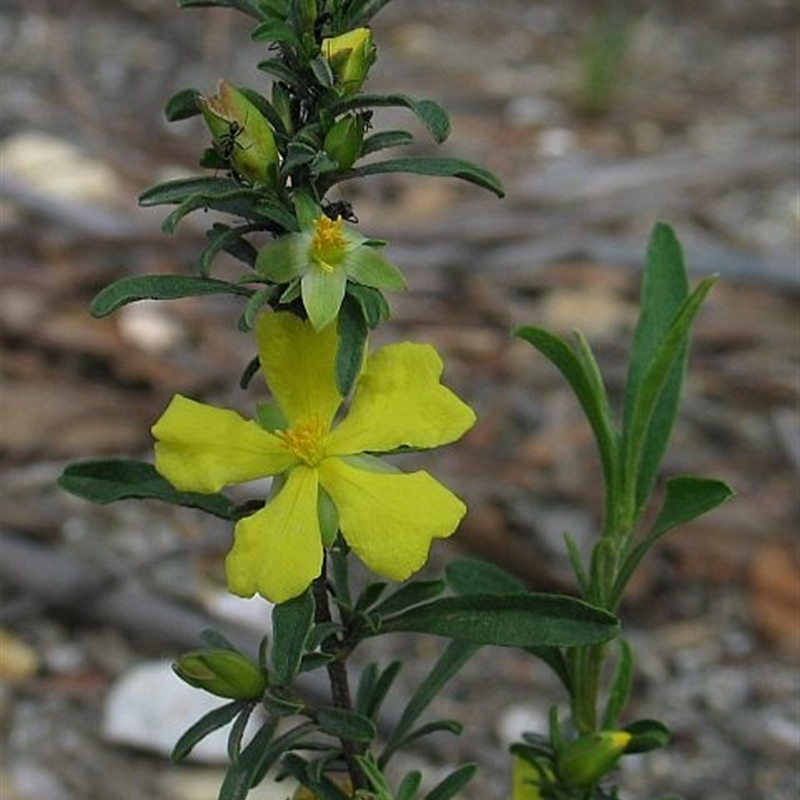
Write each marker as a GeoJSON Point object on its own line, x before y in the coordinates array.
{"type": "Point", "coordinates": [429, 112]}
{"type": "Point", "coordinates": [589, 393]}
{"type": "Point", "coordinates": [455, 655]}
{"type": "Point", "coordinates": [291, 625]}
{"type": "Point", "coordinates": [107, 481]}
{"type": "Point", "coordinates": [436, 167]}
{"type": "Point", "coordinates": [453, 783]}
{"type": "Point", "coordinates": [384, 140]}
{"type": "Point", "coordinates": [520, 620]}
{"type": "Point", "coordinates": [665, 287]}
{"type": "Point", "coordinates": [207, 724]}
{"type": "Point", "coordinates": [159, 287]}
{"type": "Point", "coordinates": [345, 724]}
{"type": "Point", "coordinates": [176, 191]}
{"type": "Point", "coordinates": [644, 435]}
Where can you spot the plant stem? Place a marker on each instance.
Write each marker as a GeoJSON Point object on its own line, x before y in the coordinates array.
{"type": "Point", "coordinates": [337, 675]}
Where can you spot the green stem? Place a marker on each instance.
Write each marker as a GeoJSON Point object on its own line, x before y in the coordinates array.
{"type": "Point", "coordinates": [337, 676]}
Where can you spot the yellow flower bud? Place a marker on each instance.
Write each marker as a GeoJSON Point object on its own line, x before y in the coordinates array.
{"type": "Point", "coordinates": [224, 673]}
{"type": "Point", "coordinates": [350, 57]}
{"type": "Point", "coordinates": [587, 759]}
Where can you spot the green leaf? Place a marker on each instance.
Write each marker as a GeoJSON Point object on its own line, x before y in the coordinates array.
{"type": "Point", "coordinates": [320, 785]}
{"type": "Point", "coordinates": [215, 640]}
{"type": "Point", "coordinates": [159, 287]}
{"type": "Point", "coordinates": [384, 140]}
{"type": "Point", "coordinates": [176, 191]}
{"type": "Point", "coordinates": [278, 70]}
{"type": "Point", "coordinates": [291, 625]}
{"type": "Point", "coordinates": [373, 304]}
{"type": "Point", "coordinates": [409, 786]}
{"type": "Point", "coordinates": [412, 594]}
{"type": "Point", "coordinates": [592, 398]}
{"type": "Point", "coordinates": [475, 576]}
{"type": "Point", "coordinates": [520, 620]}
{"type": "Point", "coordinates": [207, 724]}
{"type": "Point", "coordinates": [647, 735]}
{"type": "Point", "coordinates": [249, 7]}
{"type": "Point", "coordinates": [454, 656]}
{"type": "Point", "coordinates": [257, 757]}
{"type": "Point", "coordinates": [374, 686]}
{"type": "Point", "coordinates": [352, 329]}
{"type": "Point", "coordinates": [665, 287]}
{"type": "Point", "coordinates": [183, 105]}
{"type": "Point", "coordinates": [645, 434]}
{"type": "Point", "coordinates": [621, 685]}
{"type": "Point", "coordinates": [106, 481]}
{"type": "Point", "coordinates": [687, 497]}
{"type": "Point", "coordinates": [429, 112]}
{"type": "Point", "coordinates": [436, 167]}
{"type": "Point", "coordinates": [225, 238]}
{"type": "Point", "coordinates": [453, 783]}
{"type": "Point", "coordinates": [346, 724]}
{"type": "Point", "coordinates": [237, 731]}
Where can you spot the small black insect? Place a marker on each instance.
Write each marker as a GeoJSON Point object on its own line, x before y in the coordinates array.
{"type": "Point", "coordinates": [340, 208]}
{"type": "Point", "coordinates": [226, 144]}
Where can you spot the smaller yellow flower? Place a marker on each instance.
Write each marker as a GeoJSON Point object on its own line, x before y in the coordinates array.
{"type": "Point", "coordinates": [388, 518]}
{"type": "Point", "coordinates": [324, 256]}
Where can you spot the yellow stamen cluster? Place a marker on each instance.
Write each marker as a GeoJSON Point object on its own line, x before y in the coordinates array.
{"type": "Point", "coordinates": [328, 244]}
{"type": "Point", "coordinates": [305, 440]}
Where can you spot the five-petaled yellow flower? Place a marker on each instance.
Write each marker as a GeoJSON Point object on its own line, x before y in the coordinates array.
{"type": "Point", "coordinates": [389, 518]}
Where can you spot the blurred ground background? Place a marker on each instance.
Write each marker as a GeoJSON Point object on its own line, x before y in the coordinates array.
{"type": "Point", "coordinates": [697, 127]}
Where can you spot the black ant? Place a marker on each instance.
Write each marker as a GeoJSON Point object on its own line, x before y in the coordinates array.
{"type": "Point", "coordinates": [226, 144]}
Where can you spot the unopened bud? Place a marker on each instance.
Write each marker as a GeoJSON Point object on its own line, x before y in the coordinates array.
{"type": "Point", "coordinates": [224, 673]}
{"type": "Point", "coordinates": [242, 136]}
{"type": "Point", "coordinates": [350, 57]}
{"type": "Point", "coordinates": [587, 759]}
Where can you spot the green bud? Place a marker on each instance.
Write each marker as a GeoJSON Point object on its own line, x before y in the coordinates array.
{"type": "Point", "coordinates": [587, 759]}
{"type": "Point", "coordinates": [344, 139]}
{"type": "Point", "coordinates": [527, 778]}
{"type": "Point", "coordinates": [224, 673]}
{"type": "Point", "coordinates": [350, 57]}
{"type": "Point", "coordinates": [242, 135]}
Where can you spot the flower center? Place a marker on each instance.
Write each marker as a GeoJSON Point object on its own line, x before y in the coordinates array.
{"type": "Point", "coordinates": [328, 244]}
{"type": "Point", "coordinates": [305, 440]}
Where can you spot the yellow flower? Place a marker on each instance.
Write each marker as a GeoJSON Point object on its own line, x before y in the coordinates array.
{"type": "Point", "coordinates": [387, 517]}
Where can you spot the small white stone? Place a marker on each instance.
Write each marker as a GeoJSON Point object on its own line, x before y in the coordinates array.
{"type": "Point", "coordinates": [516, 720]}
{"type": "Point", "coordinates": [149, 707]}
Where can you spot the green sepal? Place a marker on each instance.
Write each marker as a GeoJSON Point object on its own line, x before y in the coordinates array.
{"type": "Point", "coordinates": [109, 480]}
{"type": "Point", "coordinates": [159, 287]}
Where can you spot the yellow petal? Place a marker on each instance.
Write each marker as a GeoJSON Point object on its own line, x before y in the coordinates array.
{"type": "Point", "coordinates": [390, 519]}
{"type": "Point", "coordinates": [200, 448]}
{"type": "Point", "coordinates": [277, 551]}
{"type": "Point", "coordinates": [298, 366]}
{"type": "Point", "coordinates": [400, 401]}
